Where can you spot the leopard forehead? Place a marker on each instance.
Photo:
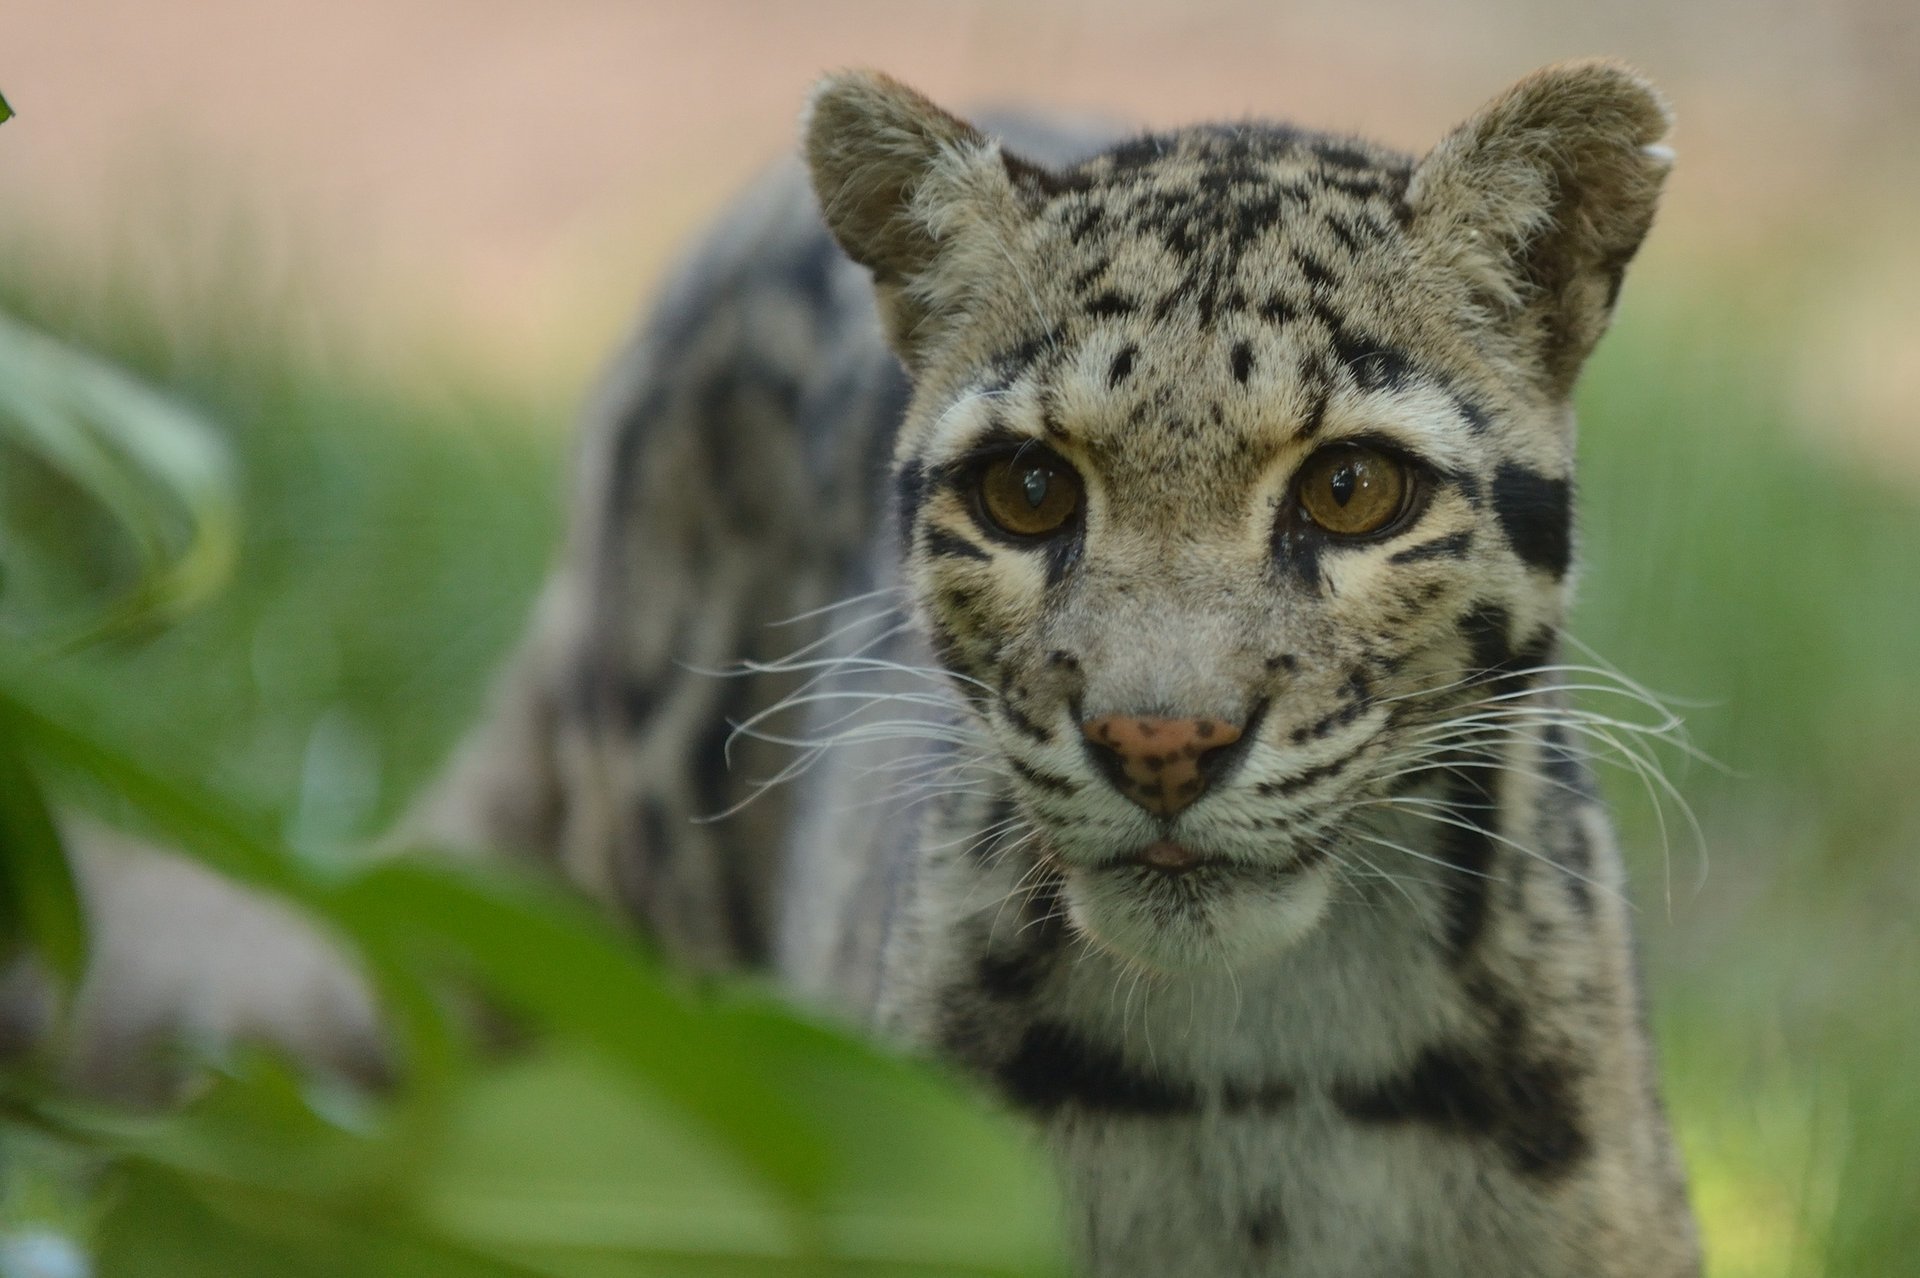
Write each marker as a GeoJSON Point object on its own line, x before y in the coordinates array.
{"type": "Point", "coordinates": [1185, 305]}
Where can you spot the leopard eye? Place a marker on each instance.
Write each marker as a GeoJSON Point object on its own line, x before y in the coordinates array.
{"type": "Point", "coordinates": [1029, 494]}
{"type": "Point", "coordinates": [1351, 490]}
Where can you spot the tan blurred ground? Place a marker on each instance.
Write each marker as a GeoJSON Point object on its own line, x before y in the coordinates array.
{"type": "Point", "coordinates": [502, 179]}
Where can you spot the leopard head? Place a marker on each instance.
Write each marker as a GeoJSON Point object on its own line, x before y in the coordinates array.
{"type": "Point", "coordinates": [1239, 462]}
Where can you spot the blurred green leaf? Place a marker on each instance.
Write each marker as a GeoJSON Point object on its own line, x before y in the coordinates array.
{"type": "Point", "coordinates": [667, 1135]}
{"type": "Point", "coordinates": [39, 903]}
{"type": "Point", "coordinates": [155, 470]}
{"type": "Point", "coordinates": [6, 112]}
{"type": "Point", "coordinates": [162, 1225]}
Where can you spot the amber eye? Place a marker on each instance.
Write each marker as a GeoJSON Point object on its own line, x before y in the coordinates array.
{"type": "Point", "coordinates": [1351, 490]}
{"type": "Point", "coordinates": [1029, 494]}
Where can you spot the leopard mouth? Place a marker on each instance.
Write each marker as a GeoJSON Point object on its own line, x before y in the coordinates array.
{"type": "Point", "coordinates": [1166, 858]}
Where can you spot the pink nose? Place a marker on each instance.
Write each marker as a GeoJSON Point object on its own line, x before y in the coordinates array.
{"type": "Point", "coordinates": [1156, 762]}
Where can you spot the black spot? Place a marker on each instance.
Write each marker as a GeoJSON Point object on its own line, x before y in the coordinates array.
{"type": "Point", "coordinates": [1342, 156]}
{"type": "Point", "coordinates": [1109, 305]}
{"type": "Point", "coordinates": [1485, 628]}
{"type": "Point", "coordinates": [1172, 298]}
{"type": "Point", "coordinates": [1091, 276]}
{"type": "Point", "coordinates": [1242, 362]}
{"type": "Point", "coordinates": [1050, 421]}
{"type": "Point", "coordinates": [1451, 546]}
{"type": "Point", "coordinates": [1122, 366]}
{"type": "Point", "coordinates": [1054, 1067]}
{"type": "Point", "coordinates": [1018, 358]}
{"type": "Point", "coordinates": [1083, 220]}
{"type": "Point", "coordinates": [712, 776]}
{"type": "Point", "coordinates": [1316, 272]}
{"type": "Point", "coordinates": [1360, 188]}
{"type": "Point", "coordinates": [1278, 310]}
{"type": "Point", "coordinates": [1536, 513]}
{"type": "Point", "coordinates": [960, 601]}
{"type": "Point", "coordinates": [1374, 364]}
{"type": "Point", "coordinates": [1137, 152]}
{"type": "Point", "coordinates": [1012, 976]}
{"type": "Point", "coordinates": [1049, 183]}
{"type": "Point", "coordinates": [941, 542]}
{"type": "Point", "coordinates": [1476, 415]}
{"type": "Point", "coordinates": [1343, 231]}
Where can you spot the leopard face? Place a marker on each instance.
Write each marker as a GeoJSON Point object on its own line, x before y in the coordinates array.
{"type": "Point", "coordinates": [1238, 470]}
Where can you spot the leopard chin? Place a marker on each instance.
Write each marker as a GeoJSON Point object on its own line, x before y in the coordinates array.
{"type": "Point", "coordinates": [1218, 913]}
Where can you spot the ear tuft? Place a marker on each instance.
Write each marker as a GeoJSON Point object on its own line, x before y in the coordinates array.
{"type": "Point", "coordinates": [1542, 199]}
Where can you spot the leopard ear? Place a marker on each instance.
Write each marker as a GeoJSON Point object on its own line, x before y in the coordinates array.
{"type": "Point", "coordinates": [1542, 199]}
{"type": "Point", "coordinates": [919, 197]}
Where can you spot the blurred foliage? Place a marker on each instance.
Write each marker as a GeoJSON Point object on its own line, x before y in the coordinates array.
{"type": "Point", "coordinates": [644, 1131]}
{"type": "Point", "coordinates": [394, 534]}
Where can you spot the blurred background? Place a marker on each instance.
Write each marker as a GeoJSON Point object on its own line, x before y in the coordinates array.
{"type": "Point", "coordinates": [383, 245]}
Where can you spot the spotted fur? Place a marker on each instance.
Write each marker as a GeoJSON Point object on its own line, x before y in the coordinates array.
{"type": "Point", "coordinates": [1379, 1014]}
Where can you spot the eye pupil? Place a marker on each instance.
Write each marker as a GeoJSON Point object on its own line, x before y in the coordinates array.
{"type": "Point", "coordinates": [1343, 481]}
{"type": "Point", "coordinates": [1034, 485]}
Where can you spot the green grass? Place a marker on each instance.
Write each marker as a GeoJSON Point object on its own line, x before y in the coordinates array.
{"type": "Point", "coordinates": [1735, 561]}
{"type": "Point", "coordinates": [396, 530]}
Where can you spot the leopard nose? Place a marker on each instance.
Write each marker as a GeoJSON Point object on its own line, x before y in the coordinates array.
{"type": "Point", "coordinates": [1161, 764]}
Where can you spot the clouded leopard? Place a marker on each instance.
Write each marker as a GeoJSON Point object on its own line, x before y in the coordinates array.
{"type": "Point", "coordinates": [1108, 591]}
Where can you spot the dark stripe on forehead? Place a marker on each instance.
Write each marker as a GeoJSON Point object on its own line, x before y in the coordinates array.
{"type": "Point", "coordinates": [1316, 272]}
{"type": "Point", "coordinates": [1536, 513]}
{"type": "Point", "coordinates": [1375, 365]}
{"type": "Point", "coordinates": [1014, 361]}
{"type": "Point", "coordinates": [1278, 310]}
